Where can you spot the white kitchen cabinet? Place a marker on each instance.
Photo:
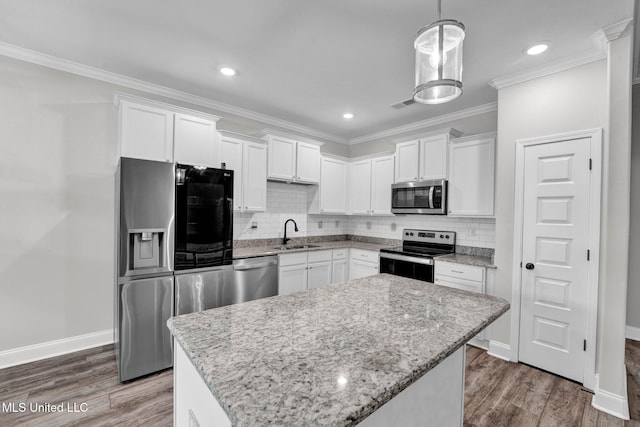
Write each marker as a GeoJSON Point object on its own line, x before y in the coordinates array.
{"type": "Point", "coordinates": [362, 263]}
{"type": "Point", "coordinates": [146, 132]}
{"type": "Point", "coordinates": [282, 158]}
{"type": "Point", "coordinates": [293, 161]}
{"type": "Point", "coordinates": [382, 171]}
{"type": "Point", "coordinates": [424, 158]}
{"type": "Point", "coordinates": [154, 130]}
{"type": "Point", "coordinates": [339, 266]}
{"type": "Point", "coordinates": [370, 186]}
{"type": "Point", "coordinates": [360, 187]}
{"type": "Point", "coordinates": [407, 161]}
{"type": "Point", "coordinates": [466, 277]}
{"type": "Point", "coordinates": [254, 177]}
{"type": "Point", "coordinates": [319, 268]}
{"type": "Point", "coordinates": [471, 177]}
{"type": "Point", "coordinates": [333, 186]}
{"type": "Point", "coordinates": [304, 270]}
{"type": "Point", "coordinates": [248, 159]}
{"type": "Point", "coordinates": [194, 141]}
{"type": "Point", "coordinates": [307, 163]}
{"type": "Point", "coordinates": [292, 272]}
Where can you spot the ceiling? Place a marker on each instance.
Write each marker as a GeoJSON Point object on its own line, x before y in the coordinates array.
{"type": "Point", "coordinates": [305, 61]}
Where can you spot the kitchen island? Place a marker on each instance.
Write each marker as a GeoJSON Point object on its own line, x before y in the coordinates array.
{"type": "Point", "coordinates": [380, 350]}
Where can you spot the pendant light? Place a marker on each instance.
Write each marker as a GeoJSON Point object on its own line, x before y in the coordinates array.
{"type": "Point", "coordinates": [439, 61]}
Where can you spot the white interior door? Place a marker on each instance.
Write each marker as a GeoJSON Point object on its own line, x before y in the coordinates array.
{"type": "Point", "coordinates": [555, 240]}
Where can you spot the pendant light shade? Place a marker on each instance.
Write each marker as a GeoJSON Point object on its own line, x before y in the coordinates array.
{"type": "Point", "coordinates": [439, 61]}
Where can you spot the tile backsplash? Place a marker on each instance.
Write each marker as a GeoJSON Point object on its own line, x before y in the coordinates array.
{"type": "Point", "coordinates": [290, 201]}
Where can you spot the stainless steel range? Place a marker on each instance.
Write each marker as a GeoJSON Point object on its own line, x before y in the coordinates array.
{"type": "Point", "coordinates": [414, 258]}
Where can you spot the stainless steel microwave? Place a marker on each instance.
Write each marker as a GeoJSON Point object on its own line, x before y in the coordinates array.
{"type": "Point", "coordinates": [419, 197]}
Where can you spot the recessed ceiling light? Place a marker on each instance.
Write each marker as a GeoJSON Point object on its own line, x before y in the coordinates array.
{"type": "Point", "coordinates": [537, 48]}
{"type": "Point", "coordinates": [348, 116]}
{"type": "Point", "coordinates": [227, 71]}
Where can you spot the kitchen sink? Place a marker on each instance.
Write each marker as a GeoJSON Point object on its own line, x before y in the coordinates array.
{"type": "Point", "coordinates": [289, 247]}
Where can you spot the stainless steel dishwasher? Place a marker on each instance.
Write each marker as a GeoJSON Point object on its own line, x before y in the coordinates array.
{"type": "Point", "coordinates": [248, 279]}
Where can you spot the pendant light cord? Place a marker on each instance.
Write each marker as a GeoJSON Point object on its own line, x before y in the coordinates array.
{"type": "Point", "coordinates": [439, 9]}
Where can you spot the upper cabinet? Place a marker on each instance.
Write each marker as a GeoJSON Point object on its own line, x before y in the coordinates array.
{"type": "Point", "coordinates": [370, 186]}
{"type": "Point", "coordinates": [293, 161]}
{"type": "Point", "coordinates": [472, 176]}
{"type": "Point", "coordinates": [424, 158]}
{"type": "Point", "coordinates": [194, 140]}
{"type": "Point", "coordinates": [330, 197]}
{"type": "Point", "coordinates": [247, 157]}
{"type": "Point", "coordinates": [156, 131]}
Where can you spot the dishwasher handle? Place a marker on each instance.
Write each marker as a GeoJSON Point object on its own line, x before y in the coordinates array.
{"type": "Point", "coordinates": [254, 265]}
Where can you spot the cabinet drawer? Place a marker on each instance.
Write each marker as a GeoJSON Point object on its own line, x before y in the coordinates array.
{"type": "Point", "coordinates": [465, 285]}
{"type": "Point", "coordinates": [340, 253]}
{"type": "Point", "coordinates": [462, 271]}
{"type": "Point", "coordinates": [292, 259]}
{"type": "Point", "coordinates": [317, 256]}
{"type": "Point", "coordinates": [364, 255]}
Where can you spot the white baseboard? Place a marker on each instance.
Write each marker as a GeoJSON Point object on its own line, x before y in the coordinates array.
{"type": "Point", "coordinates": [31, 353]}
{"type": "Point", "coordinates": [611, 403]}
{"type": "Point", "coordinates": [632, 333]}
{"type": "Point", "coordinates": [499, 350]}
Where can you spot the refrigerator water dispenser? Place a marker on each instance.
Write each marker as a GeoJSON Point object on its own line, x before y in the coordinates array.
{"type": "Point", "coordinates": [145, 249]}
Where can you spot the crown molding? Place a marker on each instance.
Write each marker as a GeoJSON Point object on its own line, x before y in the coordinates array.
{"type": "Point", "coordinates": [610, 33]}
{"type": "Point", "coordinates": [584, 58]}
{"type": "Point", "coordinates": [264, 133]}
{"type": "Point", "coordinates": [423, 124]}
{"type": "Point", "coordinates": [50, 61]}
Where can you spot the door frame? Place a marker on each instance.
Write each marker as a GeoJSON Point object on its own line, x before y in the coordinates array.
{"type": "Point", "coordinates": [594, 137]}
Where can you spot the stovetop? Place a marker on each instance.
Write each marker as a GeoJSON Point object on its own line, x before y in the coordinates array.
{"type": "Point", "coordinates": [425, 243]}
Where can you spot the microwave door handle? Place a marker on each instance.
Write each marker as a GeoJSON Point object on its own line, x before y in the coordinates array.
{"type": "Point", "coordinates": [431, 197]}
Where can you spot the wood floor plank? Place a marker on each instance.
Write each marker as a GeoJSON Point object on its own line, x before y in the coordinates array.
{"type": "Point", "coordinates": [497, 393]}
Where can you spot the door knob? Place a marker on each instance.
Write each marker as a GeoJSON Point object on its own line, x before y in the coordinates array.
{"type": "Point", "coordinates": [530, 266]}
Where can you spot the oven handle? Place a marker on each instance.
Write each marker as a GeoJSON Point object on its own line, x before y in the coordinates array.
{"type": "Point", "coordinates": [425, 261]}
{"type": "Point", "coordinates": [431, 197]}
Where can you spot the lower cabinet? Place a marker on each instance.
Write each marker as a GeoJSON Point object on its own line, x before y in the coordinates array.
{"type": "Point", "coordinates": [339, 266]}
{"type": "Point", "coordinates": [307, 270]}
{"type": "Point", "coordinates": [363, 263]}
{"type": "Point", "coordinates": [466, 277]}
{"type": "Point", "coordinates": [318, 269]}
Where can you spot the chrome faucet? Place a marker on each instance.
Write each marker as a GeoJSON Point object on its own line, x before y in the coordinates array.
{"type": "Point", "coordinates": [284, 239]}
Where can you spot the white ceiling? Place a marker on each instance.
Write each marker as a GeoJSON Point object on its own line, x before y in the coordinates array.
{"type": "Point", "coordinates": [306, 61]}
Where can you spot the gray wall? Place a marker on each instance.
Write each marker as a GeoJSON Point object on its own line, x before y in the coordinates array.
{"type": "Point", "coordinates": [633, 287]}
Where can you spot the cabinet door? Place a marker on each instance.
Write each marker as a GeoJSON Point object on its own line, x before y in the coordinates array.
{"type": "Point", "coordinates": [255, 176]}
{"type": "Point", "coordinates": [230, 153]}
{"type": "Point", "coordinates": [433, 157]}
{"type": "Point", "coordinates": [194, 141]}
{"type": "Point", "coordinates": [318, 274]}
{"type": "Point", "coordinates": [358, 269]}
{"type": "Point", "coordinates": [146, 132]}
{"type": "Point", "coordinates": [308, 163]}
{"type": "Point", "coordinates": [471, 178]}
{"type": "Point", "coordinates": [407, 161]}
{"type": "Point", "coordinates": [292, 278]}
{"type": "Point", "coordinates": [360, 187]}
{"type": "Point", "coordinates": [333, 186]}
{"type": "Point", "coordinates": [339, 271]}
{"type": "Point", "coordinates": [381, 180]}
{"type": "Point", "coordinates": [282, 158]}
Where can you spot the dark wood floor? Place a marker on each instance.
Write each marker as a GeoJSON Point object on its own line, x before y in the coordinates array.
{"type": "Point", "coordinates": [497, 393]}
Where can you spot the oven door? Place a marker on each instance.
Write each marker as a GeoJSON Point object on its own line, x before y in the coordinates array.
{"type": "Point", "coordinates": [407, 266]}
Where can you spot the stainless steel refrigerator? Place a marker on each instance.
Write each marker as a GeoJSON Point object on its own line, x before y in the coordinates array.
{"type": "Point", "coordinates": [171, 217]}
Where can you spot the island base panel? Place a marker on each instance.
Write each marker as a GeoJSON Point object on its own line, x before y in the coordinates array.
{"type": "Point", "coordinates": [193, 403]}
{"type": "Point", "coordinates": [436, 399]}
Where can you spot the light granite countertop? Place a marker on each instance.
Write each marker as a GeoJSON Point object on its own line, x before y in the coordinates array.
{"type": "Point", "coordinates": [475, 260]}
{"type": "Point", "coordinates": [257, 251]}
{"type": "Point", "coordinates": [276, 361]}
